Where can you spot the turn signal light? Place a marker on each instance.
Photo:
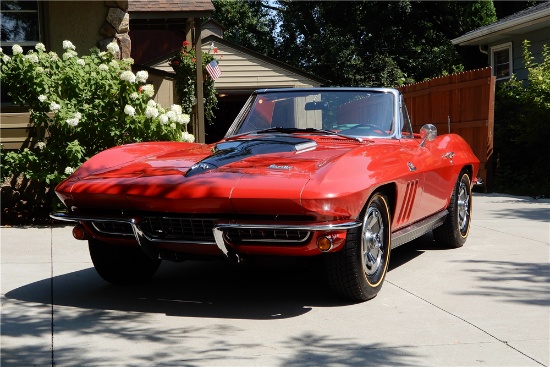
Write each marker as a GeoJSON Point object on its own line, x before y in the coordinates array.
{"type": "Point", "coordinates": [324, 243]}
{"type": "Point", "coordinates": [79, 233]}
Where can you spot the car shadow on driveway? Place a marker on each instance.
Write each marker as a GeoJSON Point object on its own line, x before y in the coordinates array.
{"type": "Point", "coordinates": [263, 290]}
{"type": "Point", "coordinates": [215, 289]}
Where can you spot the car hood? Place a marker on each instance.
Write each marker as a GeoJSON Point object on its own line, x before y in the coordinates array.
{"type": "Point", "coordinates": [226, 177]}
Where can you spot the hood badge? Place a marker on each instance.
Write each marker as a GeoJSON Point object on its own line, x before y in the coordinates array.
{"type": "Point", "coordinates": [412, 168]}
{"type": "Point", "coordinates": [275, 166]}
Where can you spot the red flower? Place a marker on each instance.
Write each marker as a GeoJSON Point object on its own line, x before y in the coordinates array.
{"type": "Point", "coordinates": [215, 50]}
{"type": "Point", "coordinates": [141, 88]}
{"type": "Point", "coordinates": [193, 59]}
{"type": "Point", "coordinates": [185, 43]}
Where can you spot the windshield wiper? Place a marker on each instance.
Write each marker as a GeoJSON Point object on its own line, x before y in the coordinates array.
{"type": "Point", "coordinates": [308, 130]}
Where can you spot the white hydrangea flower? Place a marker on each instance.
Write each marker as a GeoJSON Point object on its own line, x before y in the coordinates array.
{"type": "Point", "coordinates": [185, 136]}
{"type": "Point", "coordinates": [113, 48]}
{"type": "Point", "coordinates": [41, 145]}
{"type": "Point", "coordinates": [184, 118]}
{"type": "Point", "coordinates": [114, 63]}
{"type": "Point", "coordinates": [163, 119]}
{"type": "Point", "coordinates": [69, 170]}
{"type": "Point", "coordinates": [68, 45]}
{"type": "Point", "coordinates": [151, 103]}
{"type": "Point", "coordinates": [142, 76]}
{"type": "Point", "coordinates": [75, 120]}
{"type": "Point", "coordinates": [40, 47]}
{"type": "Point", "coordinates": [81, 62]}
{"type": "Point", "coordinates": [129, 110]}
{"type": "Point", "coordinates": [148, 90]}
{"type": "Point", "coordinates": [72, 122]}
{"type": "Point", "coordinates": [128, 60]}
{"type": "Point", "coordinates": [103, 67]}
{"type": "Point", "coordinates": [16, 50]}
{"type": "Point", "coordinates": [151, 112]}
{"type": "Point", "coordinates": [53, 56]}
{"type": "Point", "coordinates": [176, 108]}
{"type": "Point", "coordinates": [32, 57]}
{"type": "Point", "coordinates": [172, 116]}
{"type": "Point", "coordinates": [39, 69]}
{"type": "Point", "coordinates": [6, 58]}
{"type": "Point", "coordinates": [68, 55]}
{"type": "Point", "coordinates": [1, 51]}
{"type": "Point", "coordinates": [134, 96]}
{"type": "Point", "coordinates": [54, 107]}
{"type": "Point", "coordinates": [128, 76]}
{"type": "Point", "coordinates": [42, 98]}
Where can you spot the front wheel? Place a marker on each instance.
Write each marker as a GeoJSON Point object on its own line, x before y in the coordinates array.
{"type": "Point", "coordinates": [121, 265]}
{"type": "Point", "coordinates": [454, 231]}
{"type": "Point", "coordinates": [358, 270]}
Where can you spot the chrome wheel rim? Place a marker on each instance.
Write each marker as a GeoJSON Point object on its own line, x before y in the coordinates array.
{"type": "Point", "coordinates": [372, 241]}
{"type": "Point", "coordinates": [463, 207]}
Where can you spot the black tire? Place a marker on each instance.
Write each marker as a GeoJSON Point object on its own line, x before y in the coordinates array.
{"type": "Point", "coordinates": [454, 231]}
{"type": "Point", "coordinates": [358, 270]}
{"type": "Point", "coordinates": [121, 265]}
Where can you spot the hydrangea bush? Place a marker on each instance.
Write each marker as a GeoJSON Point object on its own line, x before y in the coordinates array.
{"type": "Point", "coordinates": [79, 106]}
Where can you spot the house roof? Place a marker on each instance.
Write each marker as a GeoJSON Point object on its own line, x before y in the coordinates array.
{"type": "Point", "coordinates": [170, 8]}
{"type": "Point", "coordinates": [527, 20]}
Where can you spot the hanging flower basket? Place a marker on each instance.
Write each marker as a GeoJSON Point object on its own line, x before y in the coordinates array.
{"type": "Point", "coordinates": [184, 64]}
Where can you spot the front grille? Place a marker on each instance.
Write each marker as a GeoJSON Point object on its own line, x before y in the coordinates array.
{"type": "Point", "coordinates": [295, 236]}
{"type": "Point", "coordinates": [114, 228]}
{"type": "Point", "coordinates": [182, 229]}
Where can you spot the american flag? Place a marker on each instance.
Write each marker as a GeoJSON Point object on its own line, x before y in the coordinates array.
{"type": "Point", "coordinates": [214, 69]}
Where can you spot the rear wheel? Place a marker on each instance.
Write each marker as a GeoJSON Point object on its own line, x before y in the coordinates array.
{"type": "Point", "coordinates": [121, 265]}
{"type": "Point", "coordinates": [358, 270]}
{"type": "Point", "coordinates": [454, 231]}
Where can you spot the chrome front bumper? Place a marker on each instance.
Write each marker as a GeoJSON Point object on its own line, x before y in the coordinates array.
{"type": "Point", "coordinates": [147, 243]}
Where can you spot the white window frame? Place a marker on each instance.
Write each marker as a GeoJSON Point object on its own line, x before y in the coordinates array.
{"type": "Point", "coordinates": [503, 46]}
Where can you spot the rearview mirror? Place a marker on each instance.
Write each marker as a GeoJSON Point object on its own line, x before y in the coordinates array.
{"type": "Point", "coordinates": [313, 106]}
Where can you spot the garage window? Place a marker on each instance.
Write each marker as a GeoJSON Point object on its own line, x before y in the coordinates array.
{"type": "Point", "coordinates": [501, 61]}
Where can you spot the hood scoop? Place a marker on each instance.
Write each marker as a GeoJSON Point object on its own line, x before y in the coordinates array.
{"type": "Point", "coordinates": [232, 151]}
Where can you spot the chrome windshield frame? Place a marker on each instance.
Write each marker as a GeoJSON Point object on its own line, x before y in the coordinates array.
{"type": "Point", "coordinates": [396, 120]}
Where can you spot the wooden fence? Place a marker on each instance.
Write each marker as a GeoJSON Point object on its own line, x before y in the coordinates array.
{"type": "Point", "coordinates": [459, 103]}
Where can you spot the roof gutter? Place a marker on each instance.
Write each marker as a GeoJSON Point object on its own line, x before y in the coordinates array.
{"type": "Point", "coordinates": [497, 28]}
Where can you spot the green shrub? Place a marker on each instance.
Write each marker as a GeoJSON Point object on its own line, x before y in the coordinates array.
{"type": "Point", "coordinates": [79, 106]}
{"type": "Point", "coordinates": [522, 133]}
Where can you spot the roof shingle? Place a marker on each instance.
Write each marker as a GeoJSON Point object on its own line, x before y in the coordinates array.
{"type": "Point", "coordinates": [135, 6]}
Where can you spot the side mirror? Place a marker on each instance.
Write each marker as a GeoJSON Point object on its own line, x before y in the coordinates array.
{"type": "Point", "coordinates": [428, 132]}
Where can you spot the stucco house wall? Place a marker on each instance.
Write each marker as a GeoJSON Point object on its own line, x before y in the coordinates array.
{"type": "Point", "coordinates": [77, 21]}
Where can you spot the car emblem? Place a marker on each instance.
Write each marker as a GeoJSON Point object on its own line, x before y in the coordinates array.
{"type": "Point", "coordinates": [274, 166]}
{"type": "Point", "coordinates": [411, 166]}
{"type": "Point", "coordinates": [203, 166]}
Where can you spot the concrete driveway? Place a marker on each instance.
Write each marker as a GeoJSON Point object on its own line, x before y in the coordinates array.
{"type": "Point", "coordinates": [486, 304]}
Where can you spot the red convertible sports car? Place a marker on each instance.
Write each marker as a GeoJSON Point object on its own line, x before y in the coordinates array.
{"type": "Point", "coordinates": [335, 173]}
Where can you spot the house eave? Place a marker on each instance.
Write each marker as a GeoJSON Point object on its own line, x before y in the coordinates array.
{"type": "Point", "coordinates": [499, 31]}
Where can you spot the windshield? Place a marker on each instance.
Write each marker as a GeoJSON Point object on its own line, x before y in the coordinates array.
{"type": "Point", "coordinates": [350, 112]}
